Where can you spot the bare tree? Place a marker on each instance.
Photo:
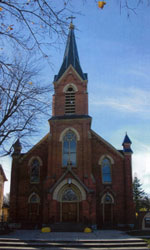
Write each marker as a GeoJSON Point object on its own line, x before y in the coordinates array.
{"type": "Point", "coordinates": [22, 102]}
{"type": "Point", "coordinates": [28, 25]}
{"type": "Point", "coordinates": [31, 23]}
{"type": "Point", "coordinates": [132, 6]}
{"type": "Point", "coordinates": [127, 5]}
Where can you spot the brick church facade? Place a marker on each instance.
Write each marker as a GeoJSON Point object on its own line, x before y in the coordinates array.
{"type": "Point", "coordinates": [72, 174]}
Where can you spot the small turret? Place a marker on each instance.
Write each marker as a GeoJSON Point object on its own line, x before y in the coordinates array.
{"type": "Point", "coordinates": [127, 145]}
{"type": "Point", "coordinates": [17, 148]}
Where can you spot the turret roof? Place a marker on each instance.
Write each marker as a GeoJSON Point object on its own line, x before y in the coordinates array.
{"type": "Point", "coordinates": [126, 140]}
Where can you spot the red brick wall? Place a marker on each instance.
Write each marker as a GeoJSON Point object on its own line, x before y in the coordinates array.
{"type": "Point", "coordinates": [90, 148]}
{"type": "Point", "coordinates": [81, 96]}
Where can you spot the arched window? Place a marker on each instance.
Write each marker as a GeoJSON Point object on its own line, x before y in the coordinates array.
{"type": "Point", "coordinates": [34, 198]}
{"type": "Point", "coordinates": [70, 101]}
{"type": "Point", "coordinates": [106, 171]}
{"type": "Point", "coordinates": [107, 199]}
{"type": "Point", "coordinates": [69, 149]}
{"type": "Point", "coordinates": [35, 171]}
{"type": "Point", "coordinates": [34, 204]}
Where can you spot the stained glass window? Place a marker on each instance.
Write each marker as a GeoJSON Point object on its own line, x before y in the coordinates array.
{"type": "Point", "coordinates": [34, 198]}
{"type": "Point", "coordinates": [107, 199]}
{"type": "Point", "coordinates": [35, 171]}
{"type": "Point", "coordinates": [106, 171]}
{"type": "Point", "coordinates": [69, 195]}
{"type": "Point", "coordinates": [69, 149]}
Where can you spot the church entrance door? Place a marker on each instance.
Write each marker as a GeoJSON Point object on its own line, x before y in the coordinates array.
{"type": "Point", "coordinates": [107, 206]}
{"type": "Point", "coordinates": [69, 212]}
{"type": "Point", "coordinates": [69, 205]}
{"type": "Point", "coordinates": [108, 215]}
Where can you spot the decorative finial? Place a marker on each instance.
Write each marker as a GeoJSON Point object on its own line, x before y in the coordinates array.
{"type": "Point", "coordinates": [71, 23]}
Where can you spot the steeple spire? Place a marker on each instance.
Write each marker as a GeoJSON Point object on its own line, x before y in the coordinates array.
{"type": "Point", "coordinates": [127, 145]}
{"type": "Point", "coordinates": [71, 55]}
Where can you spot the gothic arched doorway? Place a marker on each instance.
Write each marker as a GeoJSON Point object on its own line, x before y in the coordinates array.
{"type": "Point", "coordinates": [70, 194]}
{"type": "Point", "coordinates": [107, 206]}
{"type": "Point", "coordinates": [69, 204]}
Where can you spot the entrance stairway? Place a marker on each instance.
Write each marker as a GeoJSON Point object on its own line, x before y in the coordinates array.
{"type": "Point", "coordinates": [123, 244]}
{"type": "Point", "coordinates": [67, 227]}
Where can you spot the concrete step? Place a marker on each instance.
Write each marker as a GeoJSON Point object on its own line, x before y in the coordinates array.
{"type": "Point", "coordinates": [83, 244]}
{"type": "Point", "coordinates": [33, 248]}
{"type": "Point", "coordinates": [67, 227]}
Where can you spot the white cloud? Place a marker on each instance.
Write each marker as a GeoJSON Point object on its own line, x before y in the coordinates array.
{"type": "Point", "coordinates": [141, 153]}
{"type": "Point", "coordinates": [139, 73]}
{"type": "Point", "coordinates": [141, 167]}
{"type": "Point", "coordinates": [131, 100]}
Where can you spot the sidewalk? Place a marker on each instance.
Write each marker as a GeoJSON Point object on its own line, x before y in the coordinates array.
{"type": "Point", "coordinates": [59, 236]}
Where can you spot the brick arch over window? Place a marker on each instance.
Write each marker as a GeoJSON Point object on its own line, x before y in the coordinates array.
{"type": "Point", "coordinates": [33, 206]}
{"type": "Point", "coordinates": [70, 99]}
{"type": "Point", "coordinates": [106, 168]}
{"type": "Point", "coordinates": [34, 198]}
{"type": "Point", "coordinates": [105, 156]}
{"type": "Point", "coordinates": [107, 198]}
{"type": "Point", "coordinates": [107, 204]}
{"type": "Point", "coordinates": [75, 193]}
{"type": "Point", "coordinates": [63, 186]}
{"type": "Point", "coordinates": [70, 85]}
{"type": "Point", "coordinates": [65, 131]}
{"type": "Point", "coordinates": [35, 157]}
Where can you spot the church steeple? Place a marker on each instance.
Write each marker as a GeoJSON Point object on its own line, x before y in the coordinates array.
{"type": "Point", "coordinates": [71, 56]}
{"type": "Point", "coordinates": [70, 85]}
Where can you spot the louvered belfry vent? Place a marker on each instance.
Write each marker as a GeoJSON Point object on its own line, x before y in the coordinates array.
{"type": "Point", "coordinates": [70, 101]}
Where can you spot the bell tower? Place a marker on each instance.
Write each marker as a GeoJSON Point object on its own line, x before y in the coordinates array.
{"type": "Point", "coordinates": [70, 85]}
{"type": "Point", "coordinates": [70, 114]}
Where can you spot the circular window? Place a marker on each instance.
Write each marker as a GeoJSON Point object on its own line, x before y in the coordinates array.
{"type": "Point", "coordinates": [69, 195]}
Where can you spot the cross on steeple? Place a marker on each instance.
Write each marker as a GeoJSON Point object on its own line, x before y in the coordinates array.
{"type": "Point", "coordinates": [71, 54]}
{"type": "Point", "coordinates": [71, 17]}
{"type": "Point", "coordinates": [71, 24]}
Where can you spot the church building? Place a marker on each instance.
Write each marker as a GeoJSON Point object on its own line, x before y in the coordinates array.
{"type": "Point", "coordinates": [72, 175]}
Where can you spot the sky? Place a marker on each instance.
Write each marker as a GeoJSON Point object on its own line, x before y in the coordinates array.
{"type": "Point", "coordinates": [114, 50]}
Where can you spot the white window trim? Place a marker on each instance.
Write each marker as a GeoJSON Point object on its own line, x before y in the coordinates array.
{"type": "Point", "coordinates": [105, 156]}
{"type": "Point", "coordinates": [72, 85]}
{"type": "Point", "coordinates": [65, 131]}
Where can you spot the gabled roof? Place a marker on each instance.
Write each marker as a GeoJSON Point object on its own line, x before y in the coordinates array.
{"type": "Point", "coordinates": [35, 146]}
{"type": "Point", "coordinates": [107, 143]}
{"type": "Point", "coordinates": [69, 170]}
{"type": "Point", "coordinates": [71, 56]}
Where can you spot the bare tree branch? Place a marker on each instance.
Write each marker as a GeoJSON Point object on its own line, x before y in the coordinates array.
{"type": "Point", "coordinates": [22, 102]}
{"type": "Point", "coordinates": [29, 22]}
